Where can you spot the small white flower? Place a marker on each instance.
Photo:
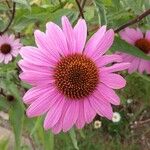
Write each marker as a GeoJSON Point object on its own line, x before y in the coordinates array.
{"type": "Point", "coordinates": [129, 101]}
{"type": "Point", "coordinates": [97, 124]}
{"type": "Point", "coordinates": [116, 117]}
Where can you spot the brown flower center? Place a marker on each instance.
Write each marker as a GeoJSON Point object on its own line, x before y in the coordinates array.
{"type": "Point", "coordinates": [76, 76]}
{"type": "Point", "coordinates": [143, 45]}
{"type": "Point", "coordinates": [5, 48]}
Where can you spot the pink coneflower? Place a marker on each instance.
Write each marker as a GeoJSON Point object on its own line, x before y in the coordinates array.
{"type": "Point", "coordinates": [9, 48]}
{"type": "Point", "coordinates": [71, 82]}
{"type": "Point", "coordinates": [138, 39]}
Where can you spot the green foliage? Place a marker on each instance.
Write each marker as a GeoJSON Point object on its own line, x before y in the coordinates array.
{"type": "Point", "coordinates": [123, 46]}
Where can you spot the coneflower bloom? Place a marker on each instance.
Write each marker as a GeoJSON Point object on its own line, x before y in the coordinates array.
{"type": "Point", "coordinates": [140, 40]}
{"type": "Point", "coordinates": [9, 48]}
{"type": "Point", "coordinates": [71, 83]}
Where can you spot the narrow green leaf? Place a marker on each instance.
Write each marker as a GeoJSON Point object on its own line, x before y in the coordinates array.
{"type": "Point", "coordinates": [72, 134]}
{"type": "Point", "coordinates": [123, 46]}
{"type": "Point", "coordinates": [48, 141]}
{"type": "Point", "coordinates": [16, 115]}
{"type": "Point", "coordinates": [37, 125]}
{"type": "Point", "coordinates": [101, 12]}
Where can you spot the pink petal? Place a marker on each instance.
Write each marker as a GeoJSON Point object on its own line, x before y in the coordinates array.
{"type": "Point", "coordinates": [89, 112]}
{"type": "Point", "coordinates": [112, 80]}
{"type": "Point", "coordinates": [147, 67]}
{"type": "Point", "coordinates": [7, 58]}
{"type": "Point", "coordinates": [81, 119]}
{"type": "Point", "coordinates": [57, 39]}
{"type": "Point", "coordinates": [59, 125]}
{"type": "Point", "coordinates": [26, 66]}
{"type": "Point", "coordinates": [36, 77]}
{"type": "Point", "coordinates": [147, 35]}
{"type": "Point", "coordinates": [70, 116]}
{"type": "Point", "coordinates": [43, 43]}
{"type": "Point", "coordinates": [14, 52]}
{"type": "Point", "coordinates": [34, 93]}
{"type": "Point", "coordinates": [69, 33]}
{"type": "Point", "coordinates": [54, 114]}
{"type": "Point", "coordinates": [34, 56]}
{"type": "Point", "coordinates": [106, 59]}
{"type": "Point", "coordinates": [141, 66]}
{"type": "Point", "coordinates": [42, 104]}
{"type": "Point", "coordinates": [131, 35]}
{"type": "Point", "coordinates": [1, 58]}
{"type": "Point", "coordinates": [125, 37]}
{"type": "Point", "coordinates": [144, 65]}
{"type": "Point", "coordinates": [104, 45]}
{"type": "Point", "coordinates": [135, 65]}
{"type": "Point", "coordinates": [94, 40]}
{"type": "Point", "coordinates": [80, 32]}
{"type": "Point", "coordinates": [116, 67]}
{"type": "Point", "coordinates": [109, 94]}
{"type": "Point", "coordinates": [102, 107]}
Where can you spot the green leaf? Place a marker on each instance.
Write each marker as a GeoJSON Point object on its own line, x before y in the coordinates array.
{"type": "Point", "coordinates": [23, 2]}
{"type": "Point", "coordinates": [37, 125]}
{"type": "Point", "coordinates": [16, 115]}
{"type": "Point", "coordinates": [48, 141]}
{"type": "Point", "coordinates": [72, 134]}
{"type": "Point", "coordinates": [101, 12]}
{"type": "Point", "coordinates": [123, 46]}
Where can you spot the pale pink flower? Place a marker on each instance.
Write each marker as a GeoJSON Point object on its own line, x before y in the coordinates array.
{"type": "Point", "coordinates": [9, 47]}
{"type": "Point", "coordinates": [71, 83]}
{"type": "Point", "coordinates": [140, 40]}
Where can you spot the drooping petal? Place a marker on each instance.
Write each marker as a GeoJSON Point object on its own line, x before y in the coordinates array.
{"type": "Point", "coordinates": [109, 94]}
{"type": "Point", "coordinates": [81, 119]}
{"type": "Point", "coordinates": [54, 114]}
{"type": "Point", "coordinates": [43, 104]}
{"type": "Point", "coordinates": [70, 116]}
{"type": "Point", "coordinates": [106, 59]}
{"type": "Point", "coordinates": [112, 80]}
{"type": "Point", "coordinates": [89, 112]}
{"type": "Point", "coordinates": [102, 107]}
{"type": "Point", "coordinates": [27, 66]}
{"type": "Point", "coordinates": [59, 125]}
{"type": "Point", "coordinates": [147, 35]}
{"type": "Point", "coordinates": [116, 67]}
{"type": "Point", "coordinates": [135, 64]}
{"type": "Point", "coordinates": [36, 78]}
{"type": "Point", "coordinates": [34, 93]}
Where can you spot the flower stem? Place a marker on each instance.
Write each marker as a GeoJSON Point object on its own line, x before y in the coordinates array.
{"type": "Point", "coordinates": [135, 20]}
{"type": "Point", "coordinates": [11, 19]}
